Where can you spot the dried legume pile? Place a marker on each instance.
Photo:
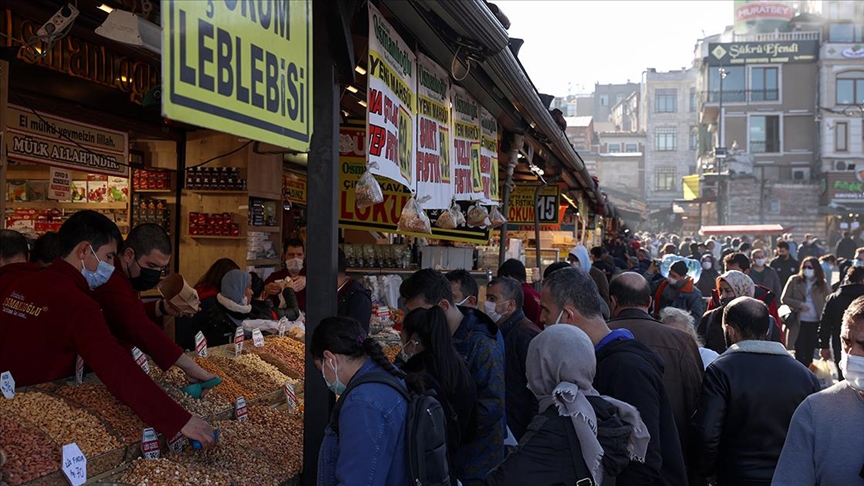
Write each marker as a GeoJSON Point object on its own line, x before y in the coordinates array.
{"type": "Point", "coordinates": [229, 388]}
{"type": "Point", "coordinates": [96, 398]}
{"type": "Point", "coordinates": [286, 429]}
{"type": "Point", "coordinates": [288, 350]}
{"type": "Point", "coordinates": [255, 362]}
{"type": "Point", "coordinates": [164, 472]}
{"type": "Point", "coordinates": [255, 382]}
{"type": "Point", "coordinates": [173, 380]}
{"type": "Point", "coordinates": [30, 453]}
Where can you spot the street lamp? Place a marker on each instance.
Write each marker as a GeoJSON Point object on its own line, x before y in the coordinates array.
{"type": "Point", "coordinates": [720, 151]}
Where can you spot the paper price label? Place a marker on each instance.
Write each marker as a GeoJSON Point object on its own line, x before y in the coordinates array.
{"type": "Point", "coordinates": [283, 324]}
{"type": "Point", "coordinates": [290, 396]}
{"type": "Point", "coordinates": [79, 370]}
{"type": "Point", "coordinates": [7, 385]}
{"type": "Point", "coordinates": [177, 443]}
{"type": "Point", "coordinates": [240, 411]}
{"type": "Point", "coordinates": [201, 344]}
{"type": "Point", "coordinates": [149, 444]}
{"type": "Point", "coordinates": [257, 338]}
{"type": "Point", "coordinates": [74, 464]}
{"type": "Point", "coordinates": [141, 359]}
{"type": "Point", "coordinates": [238, 341]}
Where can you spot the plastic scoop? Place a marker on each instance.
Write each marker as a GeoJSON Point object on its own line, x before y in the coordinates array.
{"type": "Point", "coordinates": [196, 389]}
{"type": "Point", "coordinates": [197, 445]}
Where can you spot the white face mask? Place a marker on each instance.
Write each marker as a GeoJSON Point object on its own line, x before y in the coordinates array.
{"type": "Point", "coordinates": [706, 265]}
{"type": "Point", "coordinates": [491, 310]}
{"type": "Point", "coordinates": [760, 262]}
{"type": "Point", "coordinates": [294, 265]}
{"type": "Point", "coordinates": [560, 315]}
{"type": "Point", "coordinates": [672, 281]}
{"type": "Point", "coordinates": [853, 370]}
{"type": "Point", "coordinates": [463, 301]}
{"type": "Point", "coordinates": [809, 273]}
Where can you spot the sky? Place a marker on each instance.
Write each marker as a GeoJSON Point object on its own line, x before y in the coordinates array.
{"type": "Point", "coordinates": [576, 43]}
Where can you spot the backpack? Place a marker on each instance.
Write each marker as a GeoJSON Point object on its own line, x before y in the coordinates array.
{"type": "Point", "coordinates": [425, 430]}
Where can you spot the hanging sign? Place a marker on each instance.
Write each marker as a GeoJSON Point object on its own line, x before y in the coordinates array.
{"type": "Point", "coordinates": [489, 156]}
{"type": "Point", "coordinates": [243, 68]}
{"type": "Point", "coordinates": [382, 217]}
{"type": "Point", "coordinates": [467, 176]}
{"type": "Point", "coordinates": [522, 208]}
{"type": "Point", "coordinates": [58, 142]}
{"type": "Point", "coordinates": [433, 140]}
{"type": "Point", "coordinates": [60, 184]}
{"type": "Point", "coordinates": [294, 187]}
{"type": "Point", "coordinates": [391, 100]}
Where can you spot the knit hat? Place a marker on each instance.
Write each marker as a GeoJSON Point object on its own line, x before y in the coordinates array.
{"type": "Point", "coordinates": [679, 267]}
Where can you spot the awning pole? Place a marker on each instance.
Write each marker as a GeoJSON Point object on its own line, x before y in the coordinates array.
{"type": "Point", "coordinates": [537, 216]}
{"type": "Point", "coordinates": [515, 146]}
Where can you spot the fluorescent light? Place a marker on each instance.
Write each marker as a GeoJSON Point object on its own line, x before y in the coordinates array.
{"type": "Point", "coordinates": [351, 89]}
{"type": "Point", "coordinates": [362, 103]}
{"type": "Point", "coordinates": [360, 70]}
{"type": "Point", "coordinates": [105, 8]}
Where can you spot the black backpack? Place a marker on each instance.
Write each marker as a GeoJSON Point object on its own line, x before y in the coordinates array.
{"type": "Point", "coordinates": [425, 430]}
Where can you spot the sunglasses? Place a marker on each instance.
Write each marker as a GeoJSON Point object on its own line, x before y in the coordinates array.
{"type": "Point", "coordinates": [808, 268]}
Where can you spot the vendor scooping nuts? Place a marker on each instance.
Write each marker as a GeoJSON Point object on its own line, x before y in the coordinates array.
{"type": "Point", "coordinates": [49, 317]}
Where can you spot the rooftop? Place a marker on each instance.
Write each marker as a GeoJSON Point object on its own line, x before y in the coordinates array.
{"type": "Point", "coordinates": [578, 121]}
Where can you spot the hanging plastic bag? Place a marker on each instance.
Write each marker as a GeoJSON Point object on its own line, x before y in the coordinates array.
{"type": "Point", "coordinates": [825, 371]}
{"type": "Point", "coordinates": [496, 218]}
{"type": "Point", "coordinates": [447, 220]}
{"type": "Point", "coordinates": [414, 219]}
{"type": "Point", "coordinates": [368, 192]}
{"type": "Point", "coordinates": [457, 213]}
{"type": "Point", "coordinates": [477, 217]}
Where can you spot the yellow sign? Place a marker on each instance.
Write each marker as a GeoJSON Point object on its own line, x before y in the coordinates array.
{"type": "Point", "coordinates": [243, 68]}
{"type": "Point", "coordinates": [294, 187]}
{"type": "Point", "coordinates": [691, 186]}
{"type": "Point", "coordinates": [522, 208]}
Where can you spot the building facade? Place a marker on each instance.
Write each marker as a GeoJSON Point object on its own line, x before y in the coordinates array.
{"type": "Point", "coordinates": [625, 114]}
{"type": "Point", "coordinates": [580, 132]}
{"type": "Point", "coordinates": [608, 95]}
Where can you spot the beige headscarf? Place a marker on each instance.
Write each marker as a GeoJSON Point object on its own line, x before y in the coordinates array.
{"type": "Point", "coordinates": [741, 284]}
{"type": "Point", "coordinates": [560, 368]}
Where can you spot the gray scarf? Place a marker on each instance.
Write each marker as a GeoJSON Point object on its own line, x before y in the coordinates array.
{"type": "Point", "coordinates": [560, 368]}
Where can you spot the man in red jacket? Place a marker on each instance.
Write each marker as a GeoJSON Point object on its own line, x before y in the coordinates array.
{"type": "Point", "coordinates": [293, 275]}
{"type": "Point", "coordinates": [146, 253]}
{"type": "Point", "coordinates": [49, 318]}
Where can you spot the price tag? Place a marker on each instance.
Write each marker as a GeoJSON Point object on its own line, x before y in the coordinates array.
{"type": "Point", "coordinates": [290, 396]}
{"type": "Point", "coordinates": [177, 443]}
{"type": "Point", "coordinates": [7, 385]}
{"type": "Point", "coordinates": [238, 341]}
{"type": "Point", "coordinates": [283, 324]}
{"type": "Point", "coordinates": [79, 370]}
{"type": "Point", "coordinates": [141, 359]}
{"type": "Point", "coordinates": [240, 411]}
{"type": "Point", "coordinates": [74, 464]}
{"type": "Point", "coordinates": [150, 444]}
{"type": "Point", "coordinates": [201, 344]}
{"type": "Point", "coordinates": [257, 338]}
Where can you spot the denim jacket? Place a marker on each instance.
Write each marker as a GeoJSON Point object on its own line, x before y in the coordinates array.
{"type": "Point", "coordinates": [370, 447]}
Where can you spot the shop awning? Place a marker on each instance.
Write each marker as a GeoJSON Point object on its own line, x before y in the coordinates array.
{"type": "Point", "coordinates": [743, 229]}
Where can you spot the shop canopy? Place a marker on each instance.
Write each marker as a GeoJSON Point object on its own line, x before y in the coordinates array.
{"type": "Point", "coordinates": [742, 229]}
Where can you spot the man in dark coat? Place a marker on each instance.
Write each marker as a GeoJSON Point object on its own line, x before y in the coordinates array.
{"type": "Point", "coordinates": [784, 264]}
{"type": "Point", "coordinates": [530, 297]}
{"type": "Point", "coordinates": [626, 370]}
{"type": "Point", "coordinates": [503, 305]}
{"type": "Point", "coordinates": [832, 316]}
{"type": "Point", "coordinates": [352, 299]}
{"type": "Point", "coordinates": [682, 376]}
{"type": "Point", "coordinates": [846, 247]}
{"type": "Point", "coordinates": [748, 397]}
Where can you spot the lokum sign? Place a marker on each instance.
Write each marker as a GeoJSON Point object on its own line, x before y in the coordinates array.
{"type": "Point", "coordinates": [773, 52]}
{"type": "Point", "coordinates": [243, 68]}
{"type": "Point", "coordinates": [523, 208]}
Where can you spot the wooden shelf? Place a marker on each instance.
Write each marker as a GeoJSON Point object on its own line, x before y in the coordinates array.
{"type": "Point", "coordinates": [214, 237]}
{"type": "Point", "coordinates": [67, 205]}
{"type": "Point", "coordinates": [153, 191]}
{"type": "Point", "coordinates": [264, 263]}
{"type": "Point", "coordinates": [217, 191]}
{"type": "Point", "coordinates": [265, 195]}
{"type": "Point", "coordinates": [264, 229]}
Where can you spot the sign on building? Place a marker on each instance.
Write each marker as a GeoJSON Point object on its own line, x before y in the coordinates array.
{"type": "Point", "coordinates": [774, 52]}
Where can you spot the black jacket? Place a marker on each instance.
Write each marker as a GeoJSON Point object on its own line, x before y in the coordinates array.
{"type": "Point", "coordinates": [748, 397]}
{"type": "Point", "coordinates": [835, 306]}
{"type": "Point", "coordinates": [629, 371]}
{"type": "Point", "coordinates": [785, 268]}
{"type": "Point", "coordinates": [550, 453]}
{"type": "Point", "coordinates": [356, 302]}
{"type": "Point", "coordinates": [519, 403]}
{"type": "Point", "coordinates": [846, 248]}
{"type": "Point", "coordinates": [219, 327]}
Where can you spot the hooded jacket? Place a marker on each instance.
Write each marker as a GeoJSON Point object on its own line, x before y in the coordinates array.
{"type": "Point", "coordinates": [689, 298]}
{"type": "Point", "coordinates": [629, 371]}
{"type": "Point", "coordinates": [581, 253]}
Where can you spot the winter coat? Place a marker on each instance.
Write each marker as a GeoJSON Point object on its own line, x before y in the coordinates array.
{"type": "Point", "coordinates": [356, 302]}
{"type": "Point", "coordinates": [832, 315]}
{"type": "Point", "coordinates": [767, 278]}
{"type": "Point", "coordinates": [846, 248]}
{"type": "Point", "coordinates": [795, 294]}
{"type": "Point", "coordinates": [520, 404]}
{"type": "Point", "coordinates": [785, 268]}
{"type": "Point", "coordinates": [707, 281]}
{"type": "Point", "coordinates": [688, 298]}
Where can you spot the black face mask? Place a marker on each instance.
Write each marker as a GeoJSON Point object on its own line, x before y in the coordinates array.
{"type": "Point", "coordinates": [724, 301]}
{"type": "Point", "coordinates": [146, 279]}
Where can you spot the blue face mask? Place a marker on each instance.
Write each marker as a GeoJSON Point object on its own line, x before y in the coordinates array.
{"type": "Point", "coordinates": [98, 277]}
{"type": "Point", "coordinates": [337, 386]}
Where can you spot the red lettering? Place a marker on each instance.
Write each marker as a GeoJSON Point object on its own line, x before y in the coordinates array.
{"type": "Point", "coordinates": [428, 134]}
{"type": "Point", "coordinates": [375, 101]}
{"type": "Point", "coordinates": [392, 146]}
{"type": "Point", "coordinates": [463, 152]}
{"type": "Point", "coordinates": [428, 167]}
{"type": "Point", "coordinates": [391, 111]}
{"type": "Point", "coordinates": [463, 181]}
{"type": "Point", "coordinates": [376, 139]}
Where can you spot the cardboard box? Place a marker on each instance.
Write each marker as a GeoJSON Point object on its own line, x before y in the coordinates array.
{"type": "Point", "coordinates": [118, 189]}
{"type": "Point", "coordinates": [37, 190]}
{"type": "Point", "coordinates": [79, 191]}
{"type": "Point", "coordinates": [17, 191]}
{"type": "Point", "coordinates": [97, 188]}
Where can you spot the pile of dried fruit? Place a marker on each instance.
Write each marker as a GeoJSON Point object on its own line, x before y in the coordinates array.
{"type": "Point", "coordinates": [62, 422]}
{"type": "Point", "coordinates": [164, 472]}
{"type": "Point", "coordinates": [255, 362]}
{"type": "Point", "coordinates": [286, 449]}
{"type": "Point", "coordinates": [96, 398]}
{"type": "Point", "coordinates": [255, 382]}
{"type": "Point", "coordinates": [228, 389]}
{"type": "Point", "coordinates": [288, 350]}
{"type": "Point", "coordinates": [30, 454]}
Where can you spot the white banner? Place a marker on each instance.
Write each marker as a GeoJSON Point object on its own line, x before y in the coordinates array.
{"type": "Point", "coordinates": [467, 176]}
{"type": "Point", "coordinates": [489, 156]}
{"type": "Point", "coordinates": [392, 102]}
{"type": "Point", "coordinates": [434, 170]}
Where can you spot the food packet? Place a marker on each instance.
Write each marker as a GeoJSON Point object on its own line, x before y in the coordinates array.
{"type": "Point", "coordinates": [447, 220]}
{"type": "Point", "coordinates": [496, 218]}
{"type": "Point", "coordinates": [457, 213]}
{"type": "Point", "coordinates": [477, 217]}
{"type": "Point", "coordinates": [414, 219]}
{"type": "Point", "coordinates": [368, 192]}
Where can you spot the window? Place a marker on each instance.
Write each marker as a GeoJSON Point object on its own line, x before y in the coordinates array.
{"type": "Point", "coordinates": [619, 98]}
{"type": "Point", "coordinates": [845, 33]}
{"type": "Point", "coordinates": [664, 178]}
{"type": "Point", "coordinates": [614, 148]}
{"type": "Point", "coordinates": [765, 134]}
{"type": "Point", "coordinates": [694, 138]}
{"type": "Point", "coordinates": [665, 139]}
{"type": "Point", "coordinates": [733, 85]}
{"type": "Point", "coordinates": [850, 88]}
{"type": "Point", "coordinates": [631, 147]}
{"type": "Point", "coordinates": [763, 84]}
{"type": "Point", "coordinates": [665, 100]}
{"type": "Point", "coordinates": [841, 130]}
{"type": "Point", "coordinates": [604, 100]}
{"type": "Point", "coordinates": [692, 99]}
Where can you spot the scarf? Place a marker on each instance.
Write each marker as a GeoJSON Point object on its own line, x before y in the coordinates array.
{"type": "Point", "coordinates": [560, 368]}
{"type": "Point", "coordinates": [741, 284]}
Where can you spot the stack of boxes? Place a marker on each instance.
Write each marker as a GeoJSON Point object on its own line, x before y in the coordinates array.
{"type": "Point", "coordinates": [262, 212]}
{"type": "Point", "coordinates": [215, 179]}
{"type": "Point", "coordinates": [150, 210]}
{"type": "Point", "coordinates": [205, 224]}
{"type": "Point", "coordinates": [159, 180]}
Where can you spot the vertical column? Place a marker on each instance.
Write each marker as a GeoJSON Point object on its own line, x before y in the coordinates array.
{"type": "Point", "coordinates": [4, 96]}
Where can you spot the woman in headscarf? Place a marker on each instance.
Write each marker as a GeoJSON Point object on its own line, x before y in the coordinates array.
{"type": "Point", "coordinates": [732, 284]}
{"type": "Point", "coordinates": [715, 248]}
{"type": "Point", "coordinates": [562, 444]}
{"type": "Point", "coordinates": [708, 278]}
{"type": "Point", "coordinates": [233, 306]}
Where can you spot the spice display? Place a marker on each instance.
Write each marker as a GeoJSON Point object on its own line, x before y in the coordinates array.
{"type": "Point", "coordinates": [164, 472]}
{"type": "Point", "coordinates": [414, 219]}
{"type": "Point", "coordinates": [96, 398]}
{"type": "Point", "coordinates": [288, 350]}
{"type": "Point", "coordinates": [286, 447]}
{"type": "Point", "coordinates": [61, 421]}
{"type": "Point", "coordinates": [30, 454]}
{"type": "Point", "coordinates": [228, 389]}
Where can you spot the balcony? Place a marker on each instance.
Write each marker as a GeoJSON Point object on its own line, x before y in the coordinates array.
{"type": "Point", "coordinates": [778, 36]}
{"type": "Point", "coordinates": [709, 105]}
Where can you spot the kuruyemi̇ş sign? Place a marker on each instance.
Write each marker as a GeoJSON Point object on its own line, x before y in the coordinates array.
{"type": "Point", "coordinates": [240, 67]}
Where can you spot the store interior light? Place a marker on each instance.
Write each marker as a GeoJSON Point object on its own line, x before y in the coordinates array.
{"type": "Point", "coordinates": [105, 8]}
{"type": "Point", "coordinates": [362, 103]}
{"type": "Point", "coordinates": [360, 70]}
{"type": "Point", "coordinates": [351, 88]}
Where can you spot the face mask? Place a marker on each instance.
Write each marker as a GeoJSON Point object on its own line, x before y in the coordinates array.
{"type": "Point", "coordinates": [405, 355]}
{"type": "Point", "coordinates": [853, 370]}
{"type": "Point", "coordinates": [576, 264]}
{"type": "Point", "coordinates": [491, 310]}
{"type": "Point", "coordinates": [146, 280]}
{"type": "Point", "coordinates": [560, 315]}
{"type": "Point", "coordinates": [672, 281]}
{"type": "Point", "coordinates": [706, 265]}
{"type": "Point", "coordinates": [337, 386]}
{"type": "Point", "coordinates": [809, 273]}
{"type": "Point", "coordinates": [294, 265]}
{"type": "Point", "coordinates": [760, 262]}
{"type": "Point", "coordinates": [463, 301]}
{"type": "Point", "coordinates": [859, 263]}
{"type": "Point", "coordinates": [725, 300]}
{"type": "Point", "coordinates": [98, 277]}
